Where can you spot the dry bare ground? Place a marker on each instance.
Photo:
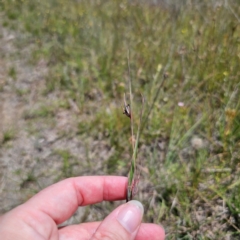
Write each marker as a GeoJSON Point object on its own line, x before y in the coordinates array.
{"type": "Point", "coordinates": [38, 151]}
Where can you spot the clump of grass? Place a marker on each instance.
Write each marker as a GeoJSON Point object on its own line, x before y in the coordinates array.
{"type": "Point", "coordinates": [8, 135]}
{"type": "Point", "coordinates": [29, 179]}
{"type": "Point", "coordinates": [12, 73]}
{"type": "Point", "coordinates": [42, 111]}
{"type": "Point", "coordinates": [66, 157]}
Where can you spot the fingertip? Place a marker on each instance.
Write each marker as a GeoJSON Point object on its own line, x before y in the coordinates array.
{"type": "Point", "coordinates": [130, 215]}
{"type": "Point", "coordinates": [122, 223]}
{"type": "Point", "coordinates": [150, 231]}
{"type": "Point", "coordinates": [137, 204]}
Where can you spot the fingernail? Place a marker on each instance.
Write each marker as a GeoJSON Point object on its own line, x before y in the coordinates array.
{"type": "Point", "coordinates": [130, 215]}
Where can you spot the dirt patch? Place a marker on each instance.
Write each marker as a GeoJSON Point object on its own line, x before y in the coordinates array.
{"type": "Point", "coordinates": [39, 147]}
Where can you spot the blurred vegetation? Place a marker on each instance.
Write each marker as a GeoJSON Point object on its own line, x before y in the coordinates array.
{"type": "Point", "coordinates": [189, 146]}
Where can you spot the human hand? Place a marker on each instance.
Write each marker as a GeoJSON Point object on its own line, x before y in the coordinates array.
{"type": "Point", "coordinates": [39, 217]}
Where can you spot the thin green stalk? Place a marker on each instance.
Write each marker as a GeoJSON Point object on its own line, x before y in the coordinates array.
{"type": "Point", "coordinates": [132, 178]}
{"type": "Point", "coordinates": [131, 99]}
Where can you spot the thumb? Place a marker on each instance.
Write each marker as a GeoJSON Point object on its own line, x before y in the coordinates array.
{"type": "Point", "coordinates": [122, 223]}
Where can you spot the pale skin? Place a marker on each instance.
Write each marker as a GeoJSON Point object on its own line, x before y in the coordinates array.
{"type": "Point", "coordinates": [39, 217]}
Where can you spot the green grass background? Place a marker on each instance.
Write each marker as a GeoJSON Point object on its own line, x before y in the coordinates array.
{"type": "Point", "coordinates": [195, 49]}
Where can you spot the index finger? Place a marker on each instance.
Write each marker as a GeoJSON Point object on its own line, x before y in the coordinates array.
{"type": "Point", "coordinates": [62, 199]}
